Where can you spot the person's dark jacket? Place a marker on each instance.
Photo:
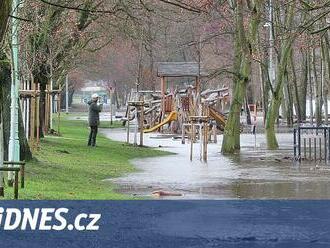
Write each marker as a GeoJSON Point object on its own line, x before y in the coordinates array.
{"type": "Point", "coordinates": [94, 113]}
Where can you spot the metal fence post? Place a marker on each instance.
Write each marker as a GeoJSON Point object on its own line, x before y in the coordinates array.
{"type": "Point", "coordinates": [325, 144]}
{"type": "Point", "coordinates": [295, 143]}
{"type": "Point", "coordinates": [299, 145]}
{"type": "Point", "coordinates": [328, 143]}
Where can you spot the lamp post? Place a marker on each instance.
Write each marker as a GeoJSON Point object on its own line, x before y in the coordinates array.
{"type": "Point", "coordinates": [14, 147]}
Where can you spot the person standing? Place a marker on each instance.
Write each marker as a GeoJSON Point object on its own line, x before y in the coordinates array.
{"type": "Point", "coordinates": [94, 118]}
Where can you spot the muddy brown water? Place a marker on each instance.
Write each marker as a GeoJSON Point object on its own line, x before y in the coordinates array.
{"type": "Point", "coordinates": [255, 173]}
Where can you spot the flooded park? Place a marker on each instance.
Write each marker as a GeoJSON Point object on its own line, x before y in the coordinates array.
{"type": "Point", "coordinates": [164, 123]}
{"type": "Point", "coordinates": [255, 173]}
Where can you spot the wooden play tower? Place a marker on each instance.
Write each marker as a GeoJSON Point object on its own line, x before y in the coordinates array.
{"type": "Point", "coordinates": [178, 70]}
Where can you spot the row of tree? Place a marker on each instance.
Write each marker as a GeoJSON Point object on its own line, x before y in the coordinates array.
{"type": "Point", "coordinates": [272, 52]}
{"type": "Point", "coordinates": [53, 38]}
{"type": "Point", "coordinates": [292, 60]}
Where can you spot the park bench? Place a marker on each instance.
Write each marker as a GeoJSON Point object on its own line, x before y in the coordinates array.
{"type": "Point", "coordinates": [18, 167]}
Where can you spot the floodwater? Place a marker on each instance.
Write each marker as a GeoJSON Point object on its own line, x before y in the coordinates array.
{"type": "Point", "coordinates": [253, 174]}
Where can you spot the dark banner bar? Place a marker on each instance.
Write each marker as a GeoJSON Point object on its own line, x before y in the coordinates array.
{"type": "Point", "coordinates": [164, 224]}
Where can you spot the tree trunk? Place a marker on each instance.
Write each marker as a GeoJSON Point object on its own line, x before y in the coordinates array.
{"type": "Point", "coordinates": [25, 151]}
{"type": "Point", "coordinates": [275, 104]}
{"type": "Point", "coordinates": [231, 137]}
{"type": "Point", "coordinates": [296, 91]}
{"type": "Point", "coordinates": [271, 118]}
{"type": "Point", "coordinates": [285, 51]}
{"type": "Point", "coordinates": [4, 13]}
{"type": "Point", "coordinates": [317, 88]}
{"type": "Point", "coordinates": [311, 111]}
{"type": "Point", "coordinates": [5, 6]}
{"type": "Point", "coordinates": [290, 103]}
{"type": "Point", "coordinates": [245, 44]}
{"type": "Point", "coordinates": [303, 86]}
{"type": "Point", "coordinates": [326, 74]}
{"type": "Point", "coordinates": [248, 112]}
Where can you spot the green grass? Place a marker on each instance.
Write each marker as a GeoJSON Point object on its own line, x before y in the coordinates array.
{"type": "Point", "coordinates": [65, 168]}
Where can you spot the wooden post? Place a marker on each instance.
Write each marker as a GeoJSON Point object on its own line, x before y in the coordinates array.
{"type": "Point", "coordinates": [314, 148]}
{"type": "Point", "coordinates": [320, 147]}
{"type": "Point", "coordinates": [198, 97]}
{"type": "Point", "coordinates": [325, 144]}
{"type": "Point", "coordinates": [33, 114]}
{"type": "Point", "coordinates": [128, 122]}
{"type": "Point", "coordinates": [28, 111]}
{"type": "Point", "coordinates": [310, 148]}
{"type": "Point", "coordinates": [299, 144]}
{"type": "Point", "coordinates": [16, 186]}
{"type": "Point", "coordinates": [328, 148]}
{"type": "Point", "coordinates": [58, 112]}
{"type": "Point", "coordinates": [295, 143]}
{"type": "Point", "coordinates": [163, 92]}
{"type": "Point", "coordinates": [46, 110]}
{"type": "Point", "coordinates": [141, 123]}
{"type": "Point", "coordinates": [49, 110]}
{"type": "Point", "coordinates": [215, 133]}
{"type": "Point", "coordinates": [111, 110]}
{"type": "Point", "coordinates": [205, 127]}
{"type": "Point", "coordinates": [305, 156]}
{"type": "Point", "coordinates": [183, 133]}
{"type": "Point", "coordinates": [38, 117]}
{"type": "Point", "coordinates": [201, 141]}
{"type": "Point", "coordinates": [198, 90]}
{"type": "Point", "coordinates": [33, 110]}
{"type": "Point", "coordinates": [192, 134]}
{"type": "Point", "coordinates": [136, 126]}
{"type": "Point", "coordinates": [22, 172]}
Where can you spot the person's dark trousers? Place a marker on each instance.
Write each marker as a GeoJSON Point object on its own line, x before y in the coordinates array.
{"type": "Point", "coordinates": [92, 136]}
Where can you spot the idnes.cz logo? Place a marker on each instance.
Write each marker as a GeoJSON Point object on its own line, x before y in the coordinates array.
{"type": "Point", "coordinates": [46, 219]}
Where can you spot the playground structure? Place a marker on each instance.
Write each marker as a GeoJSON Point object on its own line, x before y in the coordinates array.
{"type": "Point", "coordinates": [173, 116]}
{"type": "Point", "coordinates": [200, 115]}
{"type": "Point", "coordinates": [179, 109]}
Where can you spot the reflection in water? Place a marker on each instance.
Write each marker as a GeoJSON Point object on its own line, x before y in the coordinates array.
{"type": "Point", "coordinates": [254, 173]}
{"type": "Point", "coordinates": [283, 190]}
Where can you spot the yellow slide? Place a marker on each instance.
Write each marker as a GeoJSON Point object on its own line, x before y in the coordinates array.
{"type": "Point", "coordinates": [173, 116]}
{"type": "Point", "coordinates": [219, 118]}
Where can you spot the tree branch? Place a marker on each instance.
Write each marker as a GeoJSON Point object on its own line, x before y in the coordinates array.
{"type": "Point", "coordinates": [78, 8]}
{"type": "Point", "coordinates": [182, 6]}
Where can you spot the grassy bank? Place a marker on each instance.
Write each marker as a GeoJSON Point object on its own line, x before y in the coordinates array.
{"type": "Point", "coordinates": [65, 168]}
